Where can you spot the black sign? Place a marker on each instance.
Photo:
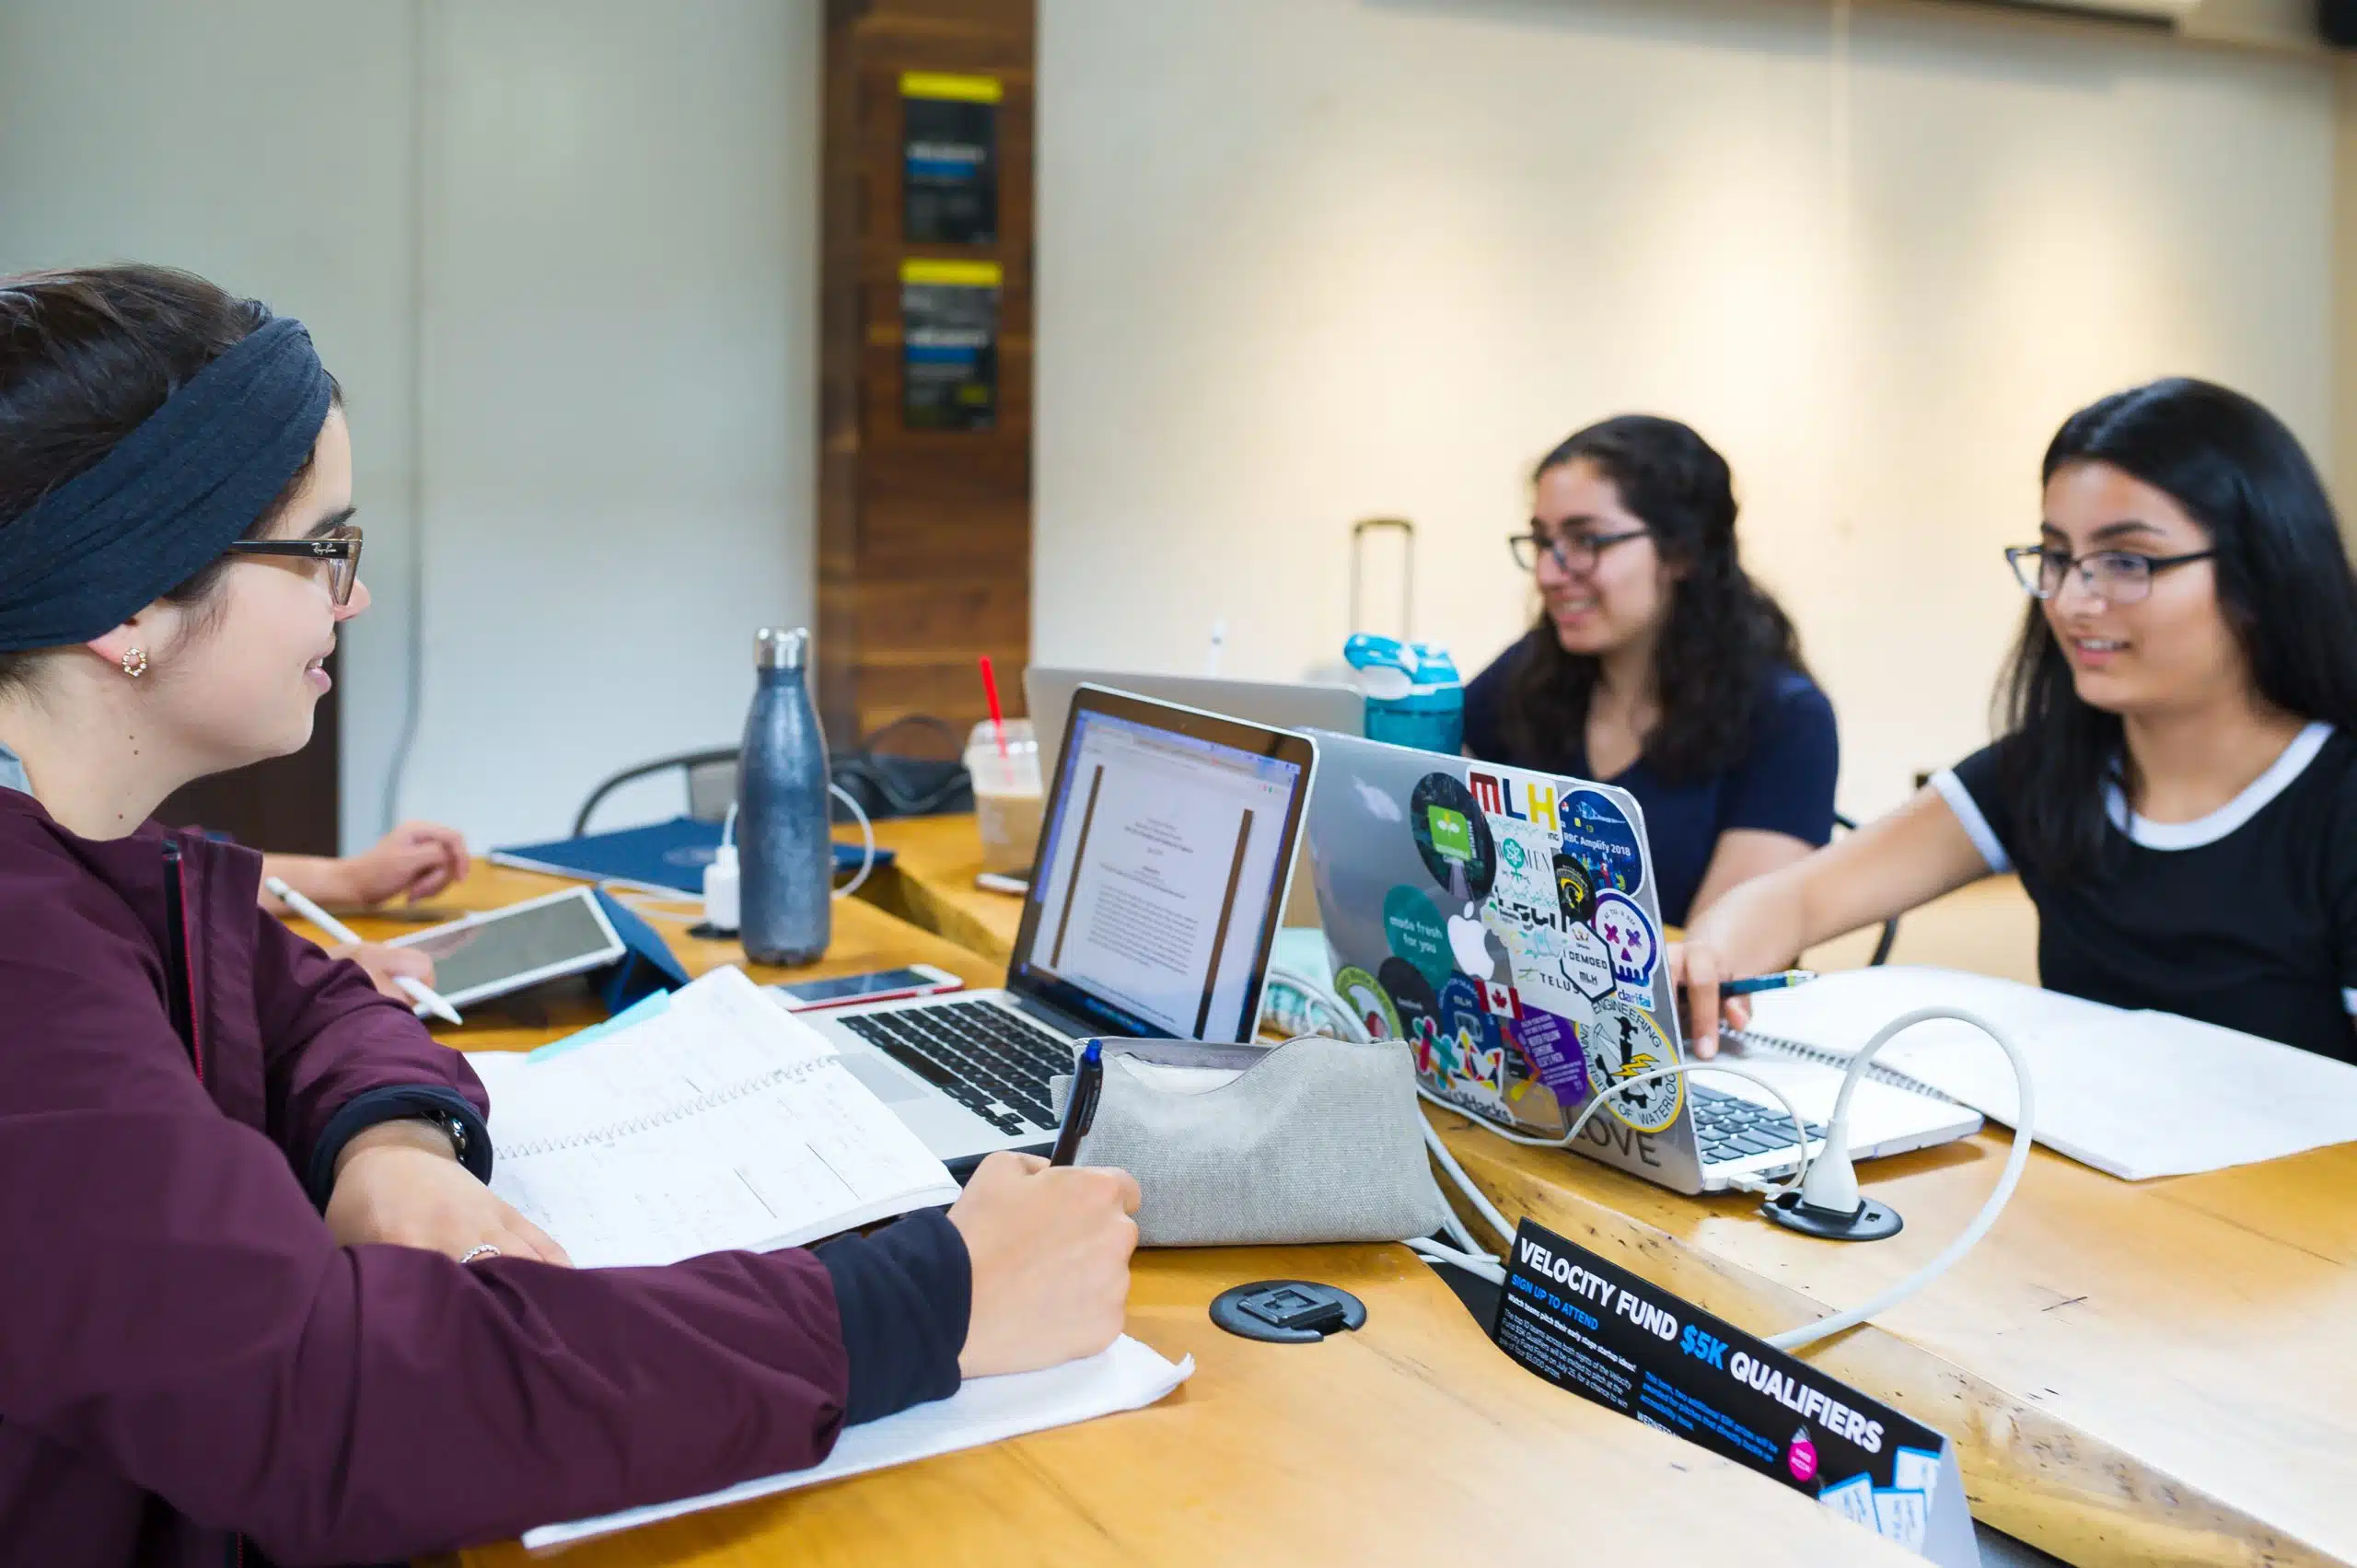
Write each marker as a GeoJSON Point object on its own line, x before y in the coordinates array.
{"type": "Point", "coordinates": [949, 158]}
{"type": "Point", "coordinates": [948, 344]}
{"type": "Point", "coordinates": [1601, 1332]}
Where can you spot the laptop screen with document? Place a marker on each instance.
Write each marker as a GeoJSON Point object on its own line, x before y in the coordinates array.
{"type": "Point", "coordinates": [1161, 869]}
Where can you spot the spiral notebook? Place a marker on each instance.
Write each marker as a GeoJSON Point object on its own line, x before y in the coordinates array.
{"type": "Point", "coordinates": [2135, 1094]}
{"type": "Point", "coordinates": [719, 1122]}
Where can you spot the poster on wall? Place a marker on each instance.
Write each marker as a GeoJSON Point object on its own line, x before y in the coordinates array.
{"type": "Point", "coordinates": [948, 158]}
{"type": "Point", "coordinates": [948, 344]}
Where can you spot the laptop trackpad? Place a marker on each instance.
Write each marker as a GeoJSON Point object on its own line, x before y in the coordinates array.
{"type": "Point", "coordinates": [892, 1086]}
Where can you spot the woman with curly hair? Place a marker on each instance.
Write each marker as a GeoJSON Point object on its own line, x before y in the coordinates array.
{"type": "Point", "coordinates": [1658, 666]}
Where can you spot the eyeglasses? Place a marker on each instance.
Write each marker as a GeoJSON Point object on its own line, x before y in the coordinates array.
{"type": "Point", "coordinates": [2114, 576]}
{"type": "Point", "coordinates": [338, 550]}
{"type": "Point", "coordinates": [1575, 552]}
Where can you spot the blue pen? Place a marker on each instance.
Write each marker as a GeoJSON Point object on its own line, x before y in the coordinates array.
{"type": "Point", "coordinates": [1081, 1109]}
{"type": "Point", "coordinates": [1767, 982]}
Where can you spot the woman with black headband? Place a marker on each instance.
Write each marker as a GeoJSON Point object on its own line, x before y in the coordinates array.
{"type": "Point", "coordinates": [252, 1287]}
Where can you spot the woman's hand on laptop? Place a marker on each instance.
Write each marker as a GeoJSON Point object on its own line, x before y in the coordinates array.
{"type": "Point", "coordinates": [1050, 1250]}
{"type": "Point", "coordinates": [1696, 969]}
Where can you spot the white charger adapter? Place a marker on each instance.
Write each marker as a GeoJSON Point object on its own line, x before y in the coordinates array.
{"type": "Point", "coordinates": [720, 910]}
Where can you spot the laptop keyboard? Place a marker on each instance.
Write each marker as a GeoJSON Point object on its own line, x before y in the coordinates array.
{"type": "Point", "coordinates": [1727, 1127]}
{"type": "Point", "coordinates": [985, 1057]}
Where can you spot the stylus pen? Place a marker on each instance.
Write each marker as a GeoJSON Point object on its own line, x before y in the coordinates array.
{"type": "Point", "coordinates": [1080, 1109]}
{"type": "Point", "coordinates": [416, 990]}
{"type": "Point", "coordinates": [1767, 982]}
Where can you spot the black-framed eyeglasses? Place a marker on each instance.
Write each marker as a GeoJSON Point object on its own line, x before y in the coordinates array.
{"type": "Point", "coordinates": [337, 550]}
{"type": "Point", "coordinates": [1573, 552]}
{"type": "Point", "coordinates": [2114, 576]}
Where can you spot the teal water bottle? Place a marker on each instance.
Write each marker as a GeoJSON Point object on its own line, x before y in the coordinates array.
{"type": "Point", "coordinates": [1414, 694]}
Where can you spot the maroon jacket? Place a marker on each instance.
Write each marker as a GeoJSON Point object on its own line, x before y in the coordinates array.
{"type": "Point", "coordinates": [193, 1373]}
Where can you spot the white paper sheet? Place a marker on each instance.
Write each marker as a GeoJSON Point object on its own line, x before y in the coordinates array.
{"type": "Point", "coordinates": [1126, 1375]}
{"type": "Point", "coordinates": [2138, 1095]}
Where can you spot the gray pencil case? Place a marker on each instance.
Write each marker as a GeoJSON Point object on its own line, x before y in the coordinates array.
{"type": "Point", "coordinates": [1313, 1140]}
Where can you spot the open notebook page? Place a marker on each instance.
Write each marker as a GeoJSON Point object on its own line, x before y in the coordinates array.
{"type": "Point", "coordinates": [719, 1123]}
{"type": "Point", "coordinates": [2137, 1095]}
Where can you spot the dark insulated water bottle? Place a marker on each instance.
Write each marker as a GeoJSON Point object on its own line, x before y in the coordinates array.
{"type": "Point", "coordinates": [783, 845]}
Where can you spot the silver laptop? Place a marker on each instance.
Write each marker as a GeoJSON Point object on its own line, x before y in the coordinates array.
{"type": "Point", "coordinates": [1506, 925]}
{"type": "Point", "coordinates": [1165, 849]}
{"type": "Point", "coordinates": [1279, 705]}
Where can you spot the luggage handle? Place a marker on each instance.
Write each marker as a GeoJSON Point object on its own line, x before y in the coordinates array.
{"type": "Point", "coordinates": [1359, 533]}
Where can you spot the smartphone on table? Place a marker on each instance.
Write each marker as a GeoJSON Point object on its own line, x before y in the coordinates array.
{"type": "Point", "coordinates": [877, 985]}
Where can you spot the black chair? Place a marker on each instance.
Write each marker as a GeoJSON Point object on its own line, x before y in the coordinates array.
{"type": "Point", "coordinates": [710, 778]}
{"type": "Point", "coordinates": [1890, 926]}
{"type": "Point", "coordinates": [887, 783]}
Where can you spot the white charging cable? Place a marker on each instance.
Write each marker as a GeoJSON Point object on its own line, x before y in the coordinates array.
{"type": "Point", "coordinates": [867, 839]}
{"type": "Point", "coordinates": [1827, 1180]}
{"type": "Point", "coordinates": [1312, 1013]}
{"type": "Point", "coordinates": [1842, 1178]}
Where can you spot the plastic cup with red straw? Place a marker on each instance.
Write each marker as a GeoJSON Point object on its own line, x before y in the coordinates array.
{"type": "Point", "coordinates": [998, 713]}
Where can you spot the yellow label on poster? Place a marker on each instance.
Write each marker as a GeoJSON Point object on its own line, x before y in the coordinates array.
{"type": "Point", "coordinates": [957, 274]}
{"type": "Point", "coordinates": [959, 89]}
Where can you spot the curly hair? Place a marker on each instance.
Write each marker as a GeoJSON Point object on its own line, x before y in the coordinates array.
{"type": "Point", "coordinates": [1723, 635]}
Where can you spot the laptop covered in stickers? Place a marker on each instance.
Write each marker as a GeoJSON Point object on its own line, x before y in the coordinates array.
{"type": "Point", "coordinates": [1504, 923]}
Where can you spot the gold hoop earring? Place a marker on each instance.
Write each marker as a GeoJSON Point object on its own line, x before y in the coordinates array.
{"type": "Point", "coordinates": [134, 663]}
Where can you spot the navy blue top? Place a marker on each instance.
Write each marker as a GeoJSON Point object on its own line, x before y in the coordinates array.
{"type": "Point", "coordinates": [1781, 783]}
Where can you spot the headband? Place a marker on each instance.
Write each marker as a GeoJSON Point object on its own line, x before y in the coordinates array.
{"type": "Point", "coordinates": [170, 499]}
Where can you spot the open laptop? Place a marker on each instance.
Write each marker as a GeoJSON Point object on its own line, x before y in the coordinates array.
{"type": "Point", "coordinates": [1505, 924]}
{"type": "Point", "coordinates": [1166, 851]}
{"type": "Point", "coordinates": [1276, 703]}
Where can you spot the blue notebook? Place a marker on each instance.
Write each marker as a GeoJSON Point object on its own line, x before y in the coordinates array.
{"type": "Point", "coordinates": [666, 858]}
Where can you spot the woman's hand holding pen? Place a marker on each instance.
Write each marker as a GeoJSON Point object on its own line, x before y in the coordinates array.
{"type": "Point", "coordinates": [1050, 1250]}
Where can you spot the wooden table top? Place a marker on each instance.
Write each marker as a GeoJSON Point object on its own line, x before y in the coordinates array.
{"type": "Point", "coordinates": [930, 884]}
{"type": "Point", "coordinates": [2160, 1371]}
{"type": "Point", "coordinates": [1413, 1440]}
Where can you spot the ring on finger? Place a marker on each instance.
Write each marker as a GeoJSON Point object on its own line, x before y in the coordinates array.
{"type": "Point", "coordinates": [480, 1249]}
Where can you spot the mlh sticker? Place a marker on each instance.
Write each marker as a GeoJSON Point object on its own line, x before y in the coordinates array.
{"type": "Point", "coordinates": [1499, 797]}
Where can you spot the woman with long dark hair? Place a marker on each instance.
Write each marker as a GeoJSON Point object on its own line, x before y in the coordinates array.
{"type": "Point", "coordinates": [2176, 778]}
{"type": "Point", "coordinates": [252, 1284]}
{"type": "Point", "coordinates": [1659, 666]}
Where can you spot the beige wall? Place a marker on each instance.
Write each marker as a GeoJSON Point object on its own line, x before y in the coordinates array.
{"type": "Point", "coordinates": [1307, 261]}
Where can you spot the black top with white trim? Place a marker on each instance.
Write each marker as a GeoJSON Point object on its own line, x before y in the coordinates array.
{"type": "Point", "coordinates": [2246, 918]}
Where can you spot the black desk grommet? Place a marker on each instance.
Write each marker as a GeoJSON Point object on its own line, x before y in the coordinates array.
{"type": "Point", "coordinates": [1287, 1311]}
{"type": "Point", "coordinates": [1873, 1221]}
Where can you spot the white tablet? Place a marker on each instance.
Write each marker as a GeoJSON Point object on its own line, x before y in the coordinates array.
{"type": "Point", "coordinates": [503, 951]}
